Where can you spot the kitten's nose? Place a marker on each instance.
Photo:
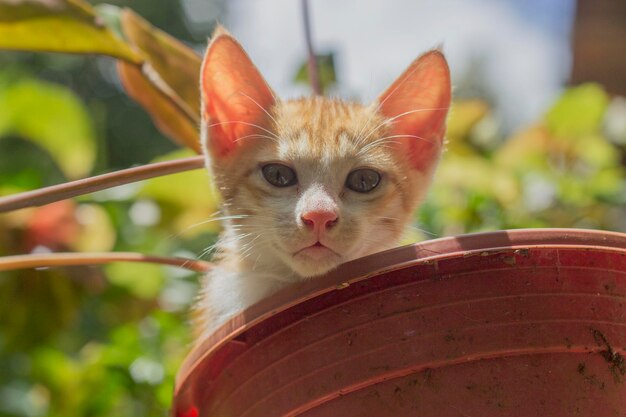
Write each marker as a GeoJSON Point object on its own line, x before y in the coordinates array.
{"type": "Point", "coordinates": [320, 219]}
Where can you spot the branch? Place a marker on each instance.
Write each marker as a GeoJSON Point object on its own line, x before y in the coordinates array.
{"type": "Point", "coordinates": [314, 77]}
{"type": "Point", "coordinates": [8, 263]}
{"type": "Point", "coordinates": [71, 189]}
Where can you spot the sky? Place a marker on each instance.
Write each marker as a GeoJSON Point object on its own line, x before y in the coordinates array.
{"type": "Point", "coordinates": [514, 52]}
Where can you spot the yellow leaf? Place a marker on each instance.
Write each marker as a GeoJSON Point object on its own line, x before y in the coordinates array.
{"type": "Point", "coordinates": [464, 115]}
{"type": "Point", "coordinates": [69, 26]}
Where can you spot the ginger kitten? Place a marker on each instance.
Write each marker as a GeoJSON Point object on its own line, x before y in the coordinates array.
{"type": "Point", "coordinates": [311, 183]}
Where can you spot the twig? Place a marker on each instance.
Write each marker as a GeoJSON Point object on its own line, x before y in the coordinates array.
{"type": "Point", "coordinates": [71, 189]}
{"type": "Point", "coordinates": [46, 260]}
{"type": "Point", "coordinates": [314, 77]}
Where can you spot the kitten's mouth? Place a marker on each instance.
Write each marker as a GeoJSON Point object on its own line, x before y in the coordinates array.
{"type": "Point", "coordinates": [316, 251]}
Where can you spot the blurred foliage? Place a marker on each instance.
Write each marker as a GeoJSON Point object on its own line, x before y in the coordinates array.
{"type": "Point", "coordinates": [97, 341]}
{"type": "Point", "coordinates": [108, 341]}
{"type": "Point", "coordinates": [560, 172]}
{"type": "Point", "coordinates": [62, 126]}
{"type": "Point", "coordinates": [325, 68]}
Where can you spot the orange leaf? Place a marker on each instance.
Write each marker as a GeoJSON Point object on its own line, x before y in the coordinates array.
{"type": "Point", "coordinates": [167, 84]}
{"type": "Point", "coordinates": [176, 63]}
{"type": "Point", "coordinates": [165, 112]}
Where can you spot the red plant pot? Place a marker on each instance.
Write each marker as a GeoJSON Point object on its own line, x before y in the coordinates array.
{"type": "Point", "coordinates": [511, 323]}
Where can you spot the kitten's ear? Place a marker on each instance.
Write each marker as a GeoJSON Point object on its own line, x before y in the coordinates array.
{"type": "Point", "coordinates": [235, 97]}
{"type": "Point", "coordinates": [417, 105]}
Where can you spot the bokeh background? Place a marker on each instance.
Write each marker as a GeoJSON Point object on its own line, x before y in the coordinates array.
{"type": "Point", "coordinates": [536, 138]}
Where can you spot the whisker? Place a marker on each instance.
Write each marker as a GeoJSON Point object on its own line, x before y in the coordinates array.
{"type": "Point", "coordinates": [406, 136]}
{"type": "Point", "coordinates": [257, 136]}
{"type": "Point", "coordinates": [378, 142]}
{"type": "Point", "coordinates": [210, 220]}
{"type": "Point", "coordinates": [247, 248]}
{"type": "Point", "coordinates": [256, 261]}
{"type": "Point", "coordinates": [391, 119]}
{"type": "Point", "coordinates": [247, 124]}
{"type": "Point", "coordinates": [415, 111]}
{"type": "Point", "coordinates": [206, 251]}
{"type": "Point", "coordinates": [260, 107]}
{"type": "Point", "coordinates": [408, 226]}
{"type": "Point", "coordinates": [365, 125]}
{"type": "Point", "coordinates": [426, 232]}
{"type": "Point", "coordinates": [407, 77]}
{"type": "Point", "coordinates": [380, 104]}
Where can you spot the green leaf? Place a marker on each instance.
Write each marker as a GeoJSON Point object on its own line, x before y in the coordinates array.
{"type": "Point", "coordinates": [325, 69]}
{"type": "Point", "coordinates": [37, 304]}
{"type": "Point", "coordinates": [579, 111]}
{"type": "Point", "coordinates": [143, 280]}
{"type": "Point", "coordinates": [69, 26]}
{"type": "Point", "coordinates": [52, 117]}
{"type": "Point", "coordinates": [26, 166]}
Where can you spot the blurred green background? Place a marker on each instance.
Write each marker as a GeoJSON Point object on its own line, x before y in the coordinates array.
{"type": "Point", "coordinates": [92, 341]}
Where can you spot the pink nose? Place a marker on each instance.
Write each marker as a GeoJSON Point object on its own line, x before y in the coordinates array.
{"type": "Point", "coordinates": [320, 218]}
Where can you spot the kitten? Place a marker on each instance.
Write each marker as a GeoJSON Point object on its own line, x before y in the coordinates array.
{"type": "Point", "coordinates": [311, 183]}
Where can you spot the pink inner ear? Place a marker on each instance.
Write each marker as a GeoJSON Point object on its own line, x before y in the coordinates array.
{"type": "Point", "coordinates": [235, 96]}
{"type": "Point", "coordinates": [418, 103]}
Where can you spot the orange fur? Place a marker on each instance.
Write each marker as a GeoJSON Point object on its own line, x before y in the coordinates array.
{"type": "Point", "coordinates": [267, 238]}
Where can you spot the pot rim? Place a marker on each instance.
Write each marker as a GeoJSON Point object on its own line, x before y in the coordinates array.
{"type": "Point", "coordinates": [387, 261]}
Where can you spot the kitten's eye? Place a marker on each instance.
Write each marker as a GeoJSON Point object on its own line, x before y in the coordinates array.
{"type": "Point", "coordinates": [279, 175]}
{"type": "Point", "coordinates": [363, 180]}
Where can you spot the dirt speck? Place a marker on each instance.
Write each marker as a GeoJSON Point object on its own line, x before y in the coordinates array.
{"type": "Point", "coordinates": [428, 376]}
{"type": "Point", "coordinates": [350, 336]}
{"type": "Point", "coordinates": [616, 361]}
{"type": "Point", "coordinates": [592, 379]}
{"type": "Point", "coordinates": [383, 368]}
{"type": "Point", "coordinates": [509, 260]}
{"type": "Point", "coordinates": [342, 285]}
{"type": "Point", "coordinates": [610, 287]}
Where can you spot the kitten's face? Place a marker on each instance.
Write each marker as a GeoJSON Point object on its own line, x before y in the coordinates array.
{"type": "Point", "coordinates": [327, 214]}
{"type": "Point", "coordinates": [313, 183]}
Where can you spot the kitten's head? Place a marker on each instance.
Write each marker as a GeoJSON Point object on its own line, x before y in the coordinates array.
{"type": "Point", "coordinates": [315, 182]}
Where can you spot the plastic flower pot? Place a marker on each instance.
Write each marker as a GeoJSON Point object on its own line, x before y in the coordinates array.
{"type": "Point", "coordinates": [511, 323]}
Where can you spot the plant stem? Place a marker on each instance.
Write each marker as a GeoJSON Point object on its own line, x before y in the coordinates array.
{"type": "Point", "coordinates": [71, 189]}
{"type": "Point", "coordinates": [46, 260]}
{"type": "Point", "coordinates": [314, 77]}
